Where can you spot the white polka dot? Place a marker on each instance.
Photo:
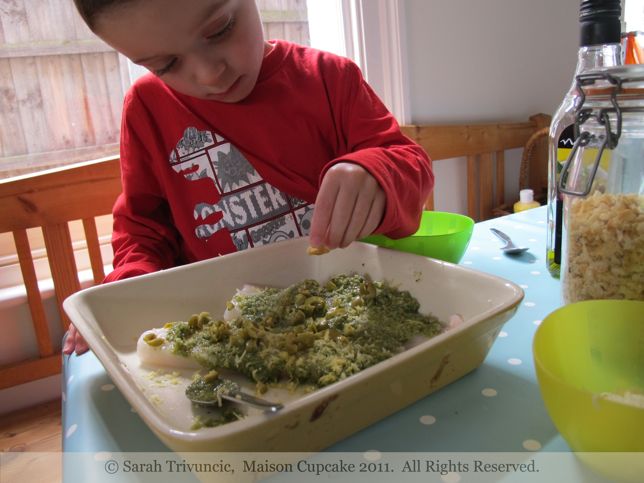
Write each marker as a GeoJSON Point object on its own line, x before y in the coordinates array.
{"type": "Point", "coordinates": [533, 240]}
{"type": "Point", "coordinates": [514, 361]}
{"type": "Point", "coordinates": [535, 272]}
{"type": "Point", "coordinates": [529, 304]}
{"type": "Point", "coordinates": [451, 478]}
{"type": "Point", "coordinates": [476, 248]}
{"type": "Point", "coordinates": [540, 222]}
{"type": "Point", "coordinates": [496, 258]}
{"type": "Point", "coordinates": [427, 420]}
{"type": "Point", "coordinates": [537, 322]}
{"type": "Point", "coordinates": [503, 333]}
{"type": "Point", "coordinates": [489, 392]}
{"type": "Point", "coordinates": [532, 445]}
{"type": "Point", "coordinates": [107, 387]}
{"type": "Point", "coordinates": [102, 456]}
{"type": "Point", "coordinates": [70, 379]}
{"type": "Point", "coordinates": [523, 286]}
{"type": "Point", "coordinates": [467, 262]}
{"type": "Point", "coordinates": [372, 455]}
{"type": "Point", "coordinates": [71, 430]}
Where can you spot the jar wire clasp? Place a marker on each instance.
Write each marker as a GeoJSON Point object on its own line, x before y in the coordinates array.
{"type": "Point", "coordinates": [583, 138]}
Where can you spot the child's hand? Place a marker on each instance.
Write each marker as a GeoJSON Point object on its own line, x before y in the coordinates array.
{"type": "Point", "coordinates": [74, 342]}
{"type": "Point", "coordinates": [349, 206]}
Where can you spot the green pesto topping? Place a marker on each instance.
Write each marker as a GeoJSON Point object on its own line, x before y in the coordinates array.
{"type": "Point", "coordinates": [228, 414]}
{"type": "Point", "coordinates": [307, 333]}
{"type": "Point", "coordinates": [209, 389]}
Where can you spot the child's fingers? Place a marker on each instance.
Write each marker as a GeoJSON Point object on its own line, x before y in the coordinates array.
{"type": "Point", "coordinates": [374, 218]}
{"type": "Point", "coordinates": [74, 342]}
{"type": "Point", "coordinates": [348, 202]}
{"type": "Point", "coordinates": [359, 215]}
{"type": "Point", "coordinates": [68, 347]}
{"type": "Point", "coordinates": [342, 217]}
{"type": "Point", "coordinates": [366, 214]}
{"type": "Point", "coordinates": [81, 345]}
{"type": "Point", "coordinates": [324, 204]}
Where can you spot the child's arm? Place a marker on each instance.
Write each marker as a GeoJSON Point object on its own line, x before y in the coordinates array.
{"type": "Point", "coordinates": [144, 237]}
{"type": "Point", "coordinates": [144, 241]}
{"type": "Point", "coordinates": [381, 183]}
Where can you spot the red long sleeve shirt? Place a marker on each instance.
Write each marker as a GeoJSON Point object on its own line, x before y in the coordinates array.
{"type": "Point", "coordinates": [203, 178]}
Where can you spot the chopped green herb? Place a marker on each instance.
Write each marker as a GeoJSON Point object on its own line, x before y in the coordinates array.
{"type": "Point", "coordinates": [210, 389]}
{"type": "Point", "coordinates": [307, 333]}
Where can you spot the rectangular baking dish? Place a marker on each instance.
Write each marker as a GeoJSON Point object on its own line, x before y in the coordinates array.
{"type": "Point", "coordinates": [111, 317]}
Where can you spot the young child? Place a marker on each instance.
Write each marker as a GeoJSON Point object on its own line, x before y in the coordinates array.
{"type": "Point", "coordinates": [230, 141]}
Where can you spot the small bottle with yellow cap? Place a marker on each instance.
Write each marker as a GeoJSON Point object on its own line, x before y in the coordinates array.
{"type": "Point", "coordinates": [526, 201]}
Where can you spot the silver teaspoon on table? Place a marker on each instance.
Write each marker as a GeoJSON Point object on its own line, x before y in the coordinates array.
{"type": "Point", "coordinates": [510, 248]}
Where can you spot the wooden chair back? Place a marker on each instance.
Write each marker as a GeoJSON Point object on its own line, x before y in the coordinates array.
{"type": "Point", "coordinates": [484, 146]}
{"type": "Point", "coordinates": [50, 200]}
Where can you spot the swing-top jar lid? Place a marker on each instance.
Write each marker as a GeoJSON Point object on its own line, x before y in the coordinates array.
{"type": "Point", "coordinates": [625, 82]}
{"type": "Point", "coordinates": [610, 109]}
{"type": "Point", "coordinates": [610, 98]}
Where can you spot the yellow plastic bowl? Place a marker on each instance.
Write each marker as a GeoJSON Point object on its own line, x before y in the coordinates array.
{"type": "Point", "coordinates": [441, 235]}
{"type": "Point", "coordinates": [589, 359]}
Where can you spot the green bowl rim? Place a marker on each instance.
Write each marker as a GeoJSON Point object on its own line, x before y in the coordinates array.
{"type": "Point", "coordinates": [468, 220]}
{"type": "Point", "coordinates": [538, 362]}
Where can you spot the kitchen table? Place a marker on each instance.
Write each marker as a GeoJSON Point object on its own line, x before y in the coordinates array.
{"type": "Point", "coordinates": [497, 408]}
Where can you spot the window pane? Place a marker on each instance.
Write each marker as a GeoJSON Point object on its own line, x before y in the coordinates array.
{"type": "Point", "coordinates": [285, 19]}
{"type": "Point", "coordinates": [61, 88]}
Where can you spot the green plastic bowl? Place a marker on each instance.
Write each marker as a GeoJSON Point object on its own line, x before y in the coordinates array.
{"type": "Point", "coordinates": [589, 360]}
{"type": "Point", "coordinates": [441, 235]}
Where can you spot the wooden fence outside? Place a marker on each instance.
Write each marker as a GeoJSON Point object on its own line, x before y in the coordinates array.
{"type": "Point", "coordinates": [61, 88]}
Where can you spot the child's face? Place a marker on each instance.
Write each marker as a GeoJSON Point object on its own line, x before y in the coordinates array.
{"type": "Point", "coordinates": [211, 49]}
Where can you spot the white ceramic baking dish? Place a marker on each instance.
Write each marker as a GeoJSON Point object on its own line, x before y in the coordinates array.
{"type": "Point", "coordinates": [111, 317]}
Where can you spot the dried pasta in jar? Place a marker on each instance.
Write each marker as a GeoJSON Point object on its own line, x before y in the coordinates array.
{"type": "Point", "coordinates": [605, 252]}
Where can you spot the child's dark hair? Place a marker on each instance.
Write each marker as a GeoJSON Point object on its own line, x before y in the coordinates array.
{"type": "Point", "coordinates": [91, 9]}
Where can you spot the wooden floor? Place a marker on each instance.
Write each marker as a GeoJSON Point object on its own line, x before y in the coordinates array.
{"type": "Point", "coordinates": [34, 430]}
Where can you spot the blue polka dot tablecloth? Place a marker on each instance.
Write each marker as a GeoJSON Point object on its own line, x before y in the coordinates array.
{"type": "Point", "coordinates": [496, 408]}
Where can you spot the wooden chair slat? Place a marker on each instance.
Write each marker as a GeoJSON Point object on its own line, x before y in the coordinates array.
{"type": "Point", "coordinates": [94, 250]}
{"type": "Point", "coordinates": [472, 187]}
{"type": "Point", "coordinates": [429, 203]}
{"type": "Point", "coordinates": [71, 193]}
{"type": "Point", "coordinates": [453, 141]}
{"type": "Point", "coordinates": [500, 178]}
{"type": "Point", "coordinates": [29, 370]}
{"type": "Point", "coordinates": [39, 320]}
{"type": "Point", "coordinates": [58, 243]}
{"type": "Point", "coordinates": [486, 186]}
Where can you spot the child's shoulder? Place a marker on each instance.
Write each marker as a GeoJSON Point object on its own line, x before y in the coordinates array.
{"type": "Point", "coordinates": [148, 92]}
{"type": "Point", "coordinates": [303, 56]}
{"type": "Point", "coordinates": [146, 87]}
{"type": "Point", "coordinates": [148, 82]}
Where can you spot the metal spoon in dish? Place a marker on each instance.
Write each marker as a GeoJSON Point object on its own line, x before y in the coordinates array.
{"type": "Point", "coordinates": [510, 248]}
{"type": "Point", "coordinates": [211, 392]}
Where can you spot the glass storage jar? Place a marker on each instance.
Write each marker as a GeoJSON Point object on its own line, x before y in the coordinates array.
{"type": "Point", "coordinates": [602, 184]}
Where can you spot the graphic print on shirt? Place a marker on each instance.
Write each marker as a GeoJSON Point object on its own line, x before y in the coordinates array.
{"type": "Point", "coordinates": [254, 212]}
